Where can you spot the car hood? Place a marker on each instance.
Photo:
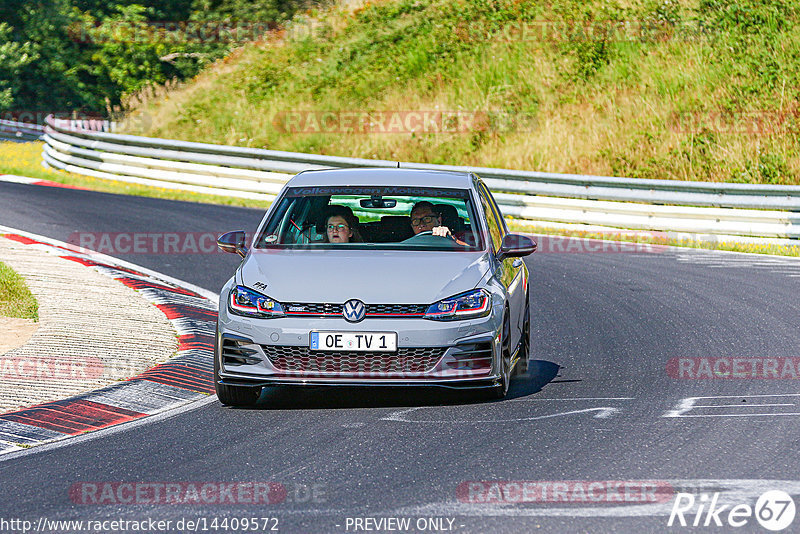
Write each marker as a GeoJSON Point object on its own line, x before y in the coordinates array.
{"type": "Point", "coordinates": [379, 277]}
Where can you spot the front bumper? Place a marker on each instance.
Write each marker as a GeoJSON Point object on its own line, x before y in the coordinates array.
{"type": "Point", "coordinates": [468, 353]}
{"type": "Point", "coordinates": [483, 383]}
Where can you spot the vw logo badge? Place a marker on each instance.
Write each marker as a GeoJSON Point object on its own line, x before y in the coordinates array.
{"type": "Point", "coordinates": [354, 310]}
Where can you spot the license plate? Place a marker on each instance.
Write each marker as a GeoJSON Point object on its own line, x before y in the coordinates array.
{"type": "Point", "coordinates": [358, 341]}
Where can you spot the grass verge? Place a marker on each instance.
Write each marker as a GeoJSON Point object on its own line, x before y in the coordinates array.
{"type": "Point", "coordinates": [656, 238]}
{"type": "Point", "coordinates": [16, 300]}
{"type": "Point", "coordinates": [25, 159]}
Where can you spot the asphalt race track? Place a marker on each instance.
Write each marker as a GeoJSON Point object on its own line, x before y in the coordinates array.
{"type": "Point", "coordinates": [601, 407]}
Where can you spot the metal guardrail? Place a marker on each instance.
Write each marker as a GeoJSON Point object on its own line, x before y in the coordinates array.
{"type": "Point", "coordinates": [530, 182]}
{"type": "Point", "coordinates": [664, 205]}
{"type": "Point", "coordinates": [20, 131]}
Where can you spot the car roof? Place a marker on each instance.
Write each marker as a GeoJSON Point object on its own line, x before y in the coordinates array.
{"type": "Point", "coordinates": [383, 176]}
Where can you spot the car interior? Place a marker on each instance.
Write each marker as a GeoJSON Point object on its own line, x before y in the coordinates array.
{"type": "Point", "coordinates": [305, 219]}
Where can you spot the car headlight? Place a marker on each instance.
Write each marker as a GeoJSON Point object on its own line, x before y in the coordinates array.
{"type": "Point", "coordinates": [246, 302]}
{"type": "Point", "coordinates": [475, 303]}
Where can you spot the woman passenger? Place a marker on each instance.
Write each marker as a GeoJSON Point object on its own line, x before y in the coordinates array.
{"type": "Point", "coordinates": [338, 229]}
{"type": "Point", "coordinates": [341, 226]}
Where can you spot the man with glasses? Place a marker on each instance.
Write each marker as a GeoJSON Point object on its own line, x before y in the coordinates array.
{"type": "Point", "coordinates": [425, 219]}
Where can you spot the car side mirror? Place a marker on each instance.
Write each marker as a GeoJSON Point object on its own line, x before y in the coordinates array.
{"type": "Point", "coordinates": [516, 246]}
{"type": "Point", "coordinates": [233, 242]}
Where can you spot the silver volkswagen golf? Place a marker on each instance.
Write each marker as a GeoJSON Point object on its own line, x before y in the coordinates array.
{"type": "Point", "coordinates": [375, 277]}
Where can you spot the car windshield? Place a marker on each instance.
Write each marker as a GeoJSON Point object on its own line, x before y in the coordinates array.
{"type": "Point", "coordinates": [374, 218]}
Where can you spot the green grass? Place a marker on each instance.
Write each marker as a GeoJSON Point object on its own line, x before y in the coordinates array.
{"type": "Point", "coordinates": [645, 102]}
{"type": "Point", "coordinates": [24, 159]}
{"type": "Point", "coordinates": [16, 300]}
{"type": "Point", "coordinates": [655, 238]}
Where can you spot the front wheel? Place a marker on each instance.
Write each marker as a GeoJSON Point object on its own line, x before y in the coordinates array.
{"type": "Point", "coordinates": [501, 390]}
{"type": "Point", "coordinates": [237, 395]}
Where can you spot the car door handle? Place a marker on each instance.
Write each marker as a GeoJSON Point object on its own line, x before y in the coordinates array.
{"type": "Point", "coordinates": [517, 263]}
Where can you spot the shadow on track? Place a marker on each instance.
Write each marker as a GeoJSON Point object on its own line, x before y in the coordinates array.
{"type": "Point", "coordinates": [540, 373]}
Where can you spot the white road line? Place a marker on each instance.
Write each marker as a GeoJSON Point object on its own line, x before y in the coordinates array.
{"type": "Point", "coordinates": [738, 405]}
{"type": "Point", "coordinates": [738, 414]}
{"type": "Point", "coordinates": [748, 396]}
{"type": "Point", "coordinates": [687, 404]}
{"type": "Point", "coordinates": [15, 179]}
{"type": "Point", "coordinates": [603, 412]}
{"type": "Point", "coordinates": [574, 399]}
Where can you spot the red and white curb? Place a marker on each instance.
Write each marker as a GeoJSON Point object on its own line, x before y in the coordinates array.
{"type": "Point", "coordinates": [183, 379]}
{"type": "Point", "coordinates": [14, 179]}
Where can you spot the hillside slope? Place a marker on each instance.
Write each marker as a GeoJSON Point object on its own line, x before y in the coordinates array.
{"type": "Point", "coordinates": [702, 90]}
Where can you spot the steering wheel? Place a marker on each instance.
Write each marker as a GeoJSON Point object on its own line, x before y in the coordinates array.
{"type": "Point", "coordinates": [427, 238]}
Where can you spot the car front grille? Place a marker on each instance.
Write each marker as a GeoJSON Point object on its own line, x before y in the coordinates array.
{"type": "Point", "coordinates": [396, 309]}
{"type": "Point", "coordinates": [302, 359]}
{"type": "Point", "coordinates": [314, 309]}
{"type": "Point", "coordinates": [302, 308]}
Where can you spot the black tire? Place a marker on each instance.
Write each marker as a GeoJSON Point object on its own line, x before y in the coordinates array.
{"type": "Point", "coordinates": [525, 349]}
{"type": "Point", "coordinates": [500, 391]}
{"type": "Point", "coordinates": [234, 395]}
{"type": "Point", "coordinates": [237, 395]}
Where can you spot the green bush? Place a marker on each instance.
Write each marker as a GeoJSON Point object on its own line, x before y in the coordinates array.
{"type": "Point", "coordinates": [82, 55]}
